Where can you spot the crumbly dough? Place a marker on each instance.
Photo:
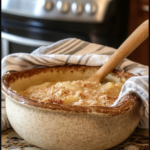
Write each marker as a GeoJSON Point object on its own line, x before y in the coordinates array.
{"type": "Point", "coordinates": [74, 93]}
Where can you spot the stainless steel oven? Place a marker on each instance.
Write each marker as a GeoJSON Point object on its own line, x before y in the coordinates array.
{"type": "Point", "coordinates": [28, 24]}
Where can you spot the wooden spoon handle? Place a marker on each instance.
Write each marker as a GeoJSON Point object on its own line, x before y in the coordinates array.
{"type": "Point", "coordinates": [129, 45]}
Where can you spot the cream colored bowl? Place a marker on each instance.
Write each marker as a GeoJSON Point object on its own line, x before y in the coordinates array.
{"type": "Point", "coordinates": [64, 127]}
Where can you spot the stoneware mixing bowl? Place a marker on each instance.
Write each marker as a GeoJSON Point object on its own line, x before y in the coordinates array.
{"type": "Point", "coordinates": [66, 127]}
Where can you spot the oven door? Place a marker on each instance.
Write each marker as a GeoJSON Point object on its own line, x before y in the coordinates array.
{"type": "Point", "coordinates": [22, 34]}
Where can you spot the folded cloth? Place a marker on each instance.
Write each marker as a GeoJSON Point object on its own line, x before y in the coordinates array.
{"type": "Point", "coordinates": [74, 51]}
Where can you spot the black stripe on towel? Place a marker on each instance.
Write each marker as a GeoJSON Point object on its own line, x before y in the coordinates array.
{"type": "Point", "coordinates": [141, 83]}
{"type": "Point", "coordinates": [68, 59]}
{"type": "Point", "coordinates": [70, 48]}
{"type": "Point", "coordinates": [131, 66]}
{"type": "Point", "coordinates": [24, 59]}
{"type": "Point", "coordinates": [99, 49]}
{"type": "Point", "coordinates": [86, 62]}
{"type": "Point", "coordinates": [80, 59]}
{"type": "Point", "coordinates": [78, 48]}
{"type": "Point", "coordinates": [106, 53]}
{"type": "Point", "coordinates": [53, 51]}
{"type": "Point", "coordinates": [36, 59]}
{"type": "Point", "coordinates": [57, 45]}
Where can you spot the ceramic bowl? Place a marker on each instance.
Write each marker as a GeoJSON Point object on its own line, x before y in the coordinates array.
{"type": "Point", "coordinates": [66, 127]}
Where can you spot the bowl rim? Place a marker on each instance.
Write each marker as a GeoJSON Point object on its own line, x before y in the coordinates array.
{"type": "Point", "coordinates": [128, 102]}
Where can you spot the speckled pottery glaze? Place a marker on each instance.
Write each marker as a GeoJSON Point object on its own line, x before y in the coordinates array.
{"type": "Point", "coordinates": [65, 127]}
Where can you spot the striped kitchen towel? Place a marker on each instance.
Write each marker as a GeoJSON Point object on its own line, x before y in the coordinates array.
{"type": "Point", "coordinates": [74, 51]}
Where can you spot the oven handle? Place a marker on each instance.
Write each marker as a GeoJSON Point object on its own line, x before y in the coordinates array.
{"type": "Point", "coordinates": [24, 41]}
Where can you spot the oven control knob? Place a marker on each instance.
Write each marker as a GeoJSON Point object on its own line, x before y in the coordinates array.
{"type": "Point", "coordinates": [90, 8]}
{"type": "Point", "coordinates": [48, 5]}
{"type": "Point", "coordinates": [62, 6]}
{"type": "Point", "coordinates": [77, 8]}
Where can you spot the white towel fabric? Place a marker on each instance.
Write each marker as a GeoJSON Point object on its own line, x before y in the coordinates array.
{"type": "Point", "coordinates": [74, 51]}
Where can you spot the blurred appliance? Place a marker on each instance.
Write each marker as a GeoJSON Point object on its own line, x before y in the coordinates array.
{"type": "Point", "coordinates": [28, 24]}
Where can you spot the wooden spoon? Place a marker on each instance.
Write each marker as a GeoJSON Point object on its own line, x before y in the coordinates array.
{"type": "Point", "coordinates": [129, 45]}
